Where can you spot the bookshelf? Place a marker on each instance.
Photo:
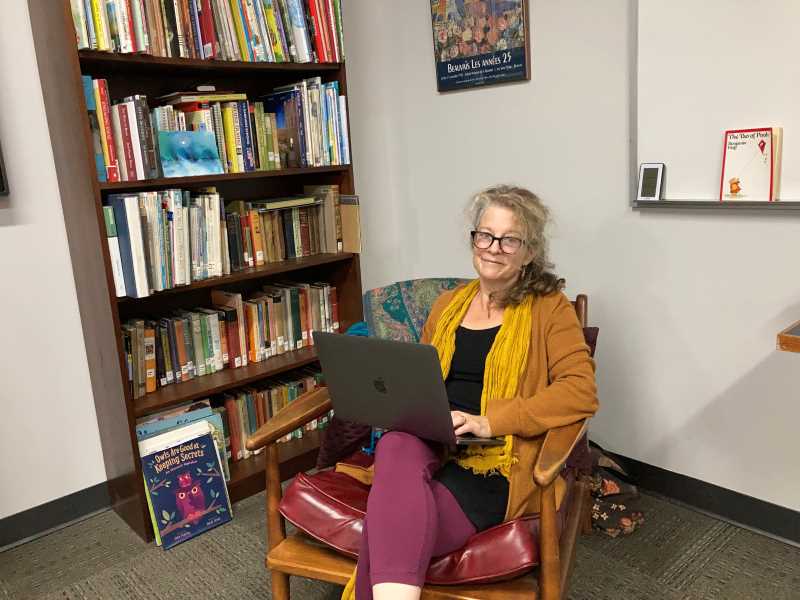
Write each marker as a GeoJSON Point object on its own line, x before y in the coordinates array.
{"type": "Point", "coordinates": [60, 68]}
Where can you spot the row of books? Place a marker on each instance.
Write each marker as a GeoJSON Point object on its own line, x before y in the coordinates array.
{"type": "Point", "coordinates": [247, 30]}
{"type": "Point", "coordinates": [236, 331]}
{"type": "Point", "coordinates": [186, 450]}
{"type": "Point", "coordinates": [247, 409]}
{"type": "Point", "coordinates": [165, 239]}
{"type": "Point", "coordinates": [303, 124]}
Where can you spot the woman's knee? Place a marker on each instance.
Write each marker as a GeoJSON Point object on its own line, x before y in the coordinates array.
{"type": "Point", "coordinates": [397, 446]}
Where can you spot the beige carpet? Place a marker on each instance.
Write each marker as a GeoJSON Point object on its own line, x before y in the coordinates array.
{"type": "Point", "coordinates": [679, 554]}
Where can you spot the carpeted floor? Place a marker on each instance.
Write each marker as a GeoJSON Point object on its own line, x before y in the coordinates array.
{"type": "Point", "coordinates": [677, 555]}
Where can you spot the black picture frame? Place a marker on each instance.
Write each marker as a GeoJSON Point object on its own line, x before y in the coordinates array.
{"type": "Point", "coordinates": [480, 42]}
{"type": "Point", "coordinates": [3, 179]}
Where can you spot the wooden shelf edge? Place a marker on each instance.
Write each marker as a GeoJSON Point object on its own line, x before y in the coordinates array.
{"type": "Point", "coordinates": [789, 338]}
{"type": "Point", "coordinates": [174, 182]}
{"type": "Point", "coordinates": [147, 61]}
{"type": "Point", "coordinates": [778, 205]}
{"type": "Point", "coordinates": [266, 270]}
{"type": "Point", "coordinates": [221, 381]}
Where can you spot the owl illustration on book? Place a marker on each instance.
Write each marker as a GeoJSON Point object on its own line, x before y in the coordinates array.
{"type": "Point", "coordinates": [189, 498]}
{"type": "Point", "coordinates": [735, 186]}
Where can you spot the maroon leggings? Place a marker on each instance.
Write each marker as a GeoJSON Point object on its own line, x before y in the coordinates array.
{"type": "Point", "coordinates": [410, 517]}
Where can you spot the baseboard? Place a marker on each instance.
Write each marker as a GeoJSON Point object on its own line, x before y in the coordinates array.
{"type": "Point", "coordinates": [46, 517]}
{"type": "Point", "coordinates": [727, 504]}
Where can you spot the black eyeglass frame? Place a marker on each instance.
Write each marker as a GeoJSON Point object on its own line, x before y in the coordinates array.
{"type": "Point", "coordinates": [475, 232]}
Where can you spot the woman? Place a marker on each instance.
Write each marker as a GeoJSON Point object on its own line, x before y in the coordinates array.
{"type": "Point", "coordinates": [515, 365]}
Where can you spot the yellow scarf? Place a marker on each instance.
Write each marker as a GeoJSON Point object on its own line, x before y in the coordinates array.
{"type": "Point", "coordinates": [505, 366]}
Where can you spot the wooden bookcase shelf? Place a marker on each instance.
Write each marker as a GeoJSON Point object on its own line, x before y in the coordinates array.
{"type": "Point", "coordinates": [221, 381]}
{"type": "Point", "coordinates": [94, 60]}
{"type": "Point", "coordinates": [102, 313]}
{"type": "Point", "coordinates": [768, 207]}
{"type": "Point", "coordinates": [204, 180]}
{"type": "Point", "coordinates": [267, 270]}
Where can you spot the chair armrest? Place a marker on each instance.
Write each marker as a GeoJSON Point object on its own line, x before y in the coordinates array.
{"type": "Point", "coordinates": [305, 408]}
{"type": "Point", "coordinates": [556, 448]}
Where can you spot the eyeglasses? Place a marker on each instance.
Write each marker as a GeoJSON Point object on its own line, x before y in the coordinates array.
{"type": "Point", "coordinates": [483, 241]}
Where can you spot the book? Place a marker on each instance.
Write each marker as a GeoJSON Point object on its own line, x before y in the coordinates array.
{"type": "Point", "coordinates": [184, 482]}
{"type": "Point", "coordinates": [351, 223]}
{"type": "Point", "coordinates": [188, 153]}
{"type": "Point", "coordinates": [131, 244]}
{"type": "Point", "coordinates": [751, 162]}
{"type": "Point", "coordinates": [113, 251]}
{"type": "Point", "coordinates": [94, 125]}
{"type": "Point", "coordinates": [168, 420]}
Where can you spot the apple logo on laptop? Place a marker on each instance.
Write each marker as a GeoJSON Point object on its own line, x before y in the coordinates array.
{"type": "Point", "coordinates": [380, 385]}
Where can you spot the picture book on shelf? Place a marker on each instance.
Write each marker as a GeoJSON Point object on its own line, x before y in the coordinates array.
{"type": "Point", "coordinates": [189, 153]}
{"type": "Point", "coordinates": [184, 483]}
{"type": "Point", "coordinates": [751, 164]}
{"type": "Point", "coordinates": [168, 420]}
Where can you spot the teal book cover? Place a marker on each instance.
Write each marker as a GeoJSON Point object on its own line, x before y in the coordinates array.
{"type": "Point", "coordinates": [189, 153]}
{"type": "Point", "coordinates": [186, 486]}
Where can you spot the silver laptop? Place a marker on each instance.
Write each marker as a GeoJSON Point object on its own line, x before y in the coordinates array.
{"type": "Point", "coordinates": [387, 384]}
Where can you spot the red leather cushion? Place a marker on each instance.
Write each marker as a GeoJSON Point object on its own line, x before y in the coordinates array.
{"type": "Point", "coordinates": [330, 506]}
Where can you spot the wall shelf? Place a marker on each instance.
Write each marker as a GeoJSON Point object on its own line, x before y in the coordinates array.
{"type": "Point", "coordinates": [781, 205]}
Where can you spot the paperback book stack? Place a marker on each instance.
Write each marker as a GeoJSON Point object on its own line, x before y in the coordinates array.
{"type": "Point", "coordinates": [237, 330]}
{"type": "Point", "coordinates": [247, 30]}
{"type": "Point", "coordinates": [184, 483]}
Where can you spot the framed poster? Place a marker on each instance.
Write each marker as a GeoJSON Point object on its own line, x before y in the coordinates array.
{"type": "Point", "coordinates": [480, 42]}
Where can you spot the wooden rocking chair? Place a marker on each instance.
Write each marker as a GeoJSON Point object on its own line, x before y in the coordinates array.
{"type": "Point", "coordinates": [555, 540]}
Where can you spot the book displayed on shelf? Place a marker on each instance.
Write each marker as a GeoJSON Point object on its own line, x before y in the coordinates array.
{"type": "Point", "coordinates": [351, 223]}
{"type": "Point", "coordinates": [188, 153]}
{"type": "Point", "coordinates": [751, 162]}
{"type": "Point", "coordinates": [248, 30]}
{"type": "Point", "coordinates": [212, 132]}
{"type": "Point", "coordinates": [167, 420]}
{"type": "Point", "coordinates": [184, 483]}
{"type": "Point", "coordinates": [238, 329]}
{"type": "Point", "coordinates": [172, 238]}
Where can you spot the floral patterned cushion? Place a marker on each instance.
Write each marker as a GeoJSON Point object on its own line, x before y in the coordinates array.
{"type": "Point", "coordinates": [398, 311]}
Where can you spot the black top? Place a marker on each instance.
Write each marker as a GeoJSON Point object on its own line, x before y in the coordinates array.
{"type": "Point", "coordinates": [482, 498]}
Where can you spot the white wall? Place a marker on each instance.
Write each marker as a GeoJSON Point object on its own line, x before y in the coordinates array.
{"type": "Point", "coordinates": [48, 432]}
{"type": "Point", "coordinates": [720, 76]}
{"type": "Point", "coordinates": [688, 304]}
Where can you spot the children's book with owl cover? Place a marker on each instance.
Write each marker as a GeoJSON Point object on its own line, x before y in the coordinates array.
{"type": "Point", "coordinates": [751, 164]}
{"type": "Point", "coordinates": [185, 484]}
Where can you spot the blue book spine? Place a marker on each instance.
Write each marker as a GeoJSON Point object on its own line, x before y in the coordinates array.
{"type": "Point", "coordinates": [261, 18]}
{"type": "Point", "coordinates": [247, 135]}
{"type": "Point", "coordinates": [298, 19]}
{"type": "Point", "coordinates": [301, 127]}
{"type": "Point", "coordinates": [94, 125]}
{"type": "Point", "coordinates": [117, 203]}
{"type": "Point", "coordinates": [326, 141]}
{"type": "Point", "coordinates": [195, 19]}
{"type": "Point", "coordinates": [243, 17]}
{"type": "Point", "coordinates": [186, 486]}
{"type": "Point", "coordinates": [251, 413]}
{"type": "Point", "coordinates": [87, 7]}
{"type": "Point", "coordinates": [288, 232]}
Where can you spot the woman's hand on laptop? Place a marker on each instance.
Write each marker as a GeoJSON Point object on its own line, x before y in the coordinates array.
{"type": "Point", "coordinates": [464, 423]}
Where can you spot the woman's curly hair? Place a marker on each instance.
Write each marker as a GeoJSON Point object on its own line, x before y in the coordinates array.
{"type": "Point", "coordinates": [532, 218]}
